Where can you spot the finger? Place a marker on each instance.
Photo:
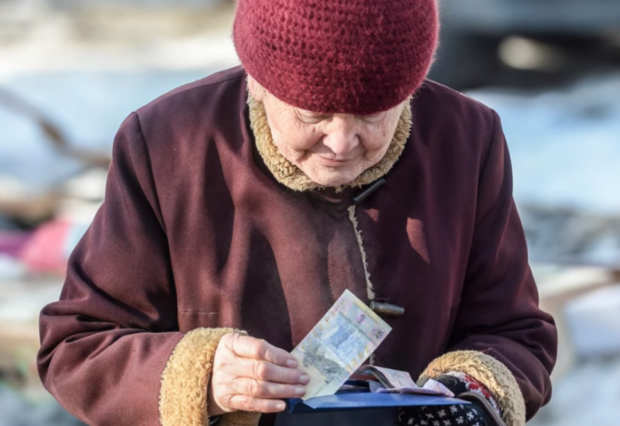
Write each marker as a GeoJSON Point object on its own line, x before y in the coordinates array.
{"type": "Point", "coordinates": [250, 347]}
{"type": "Point", "coordinates": [248, 403]}
{"type": "Point", "coordinates": [266, 371]}
{"type": "Point", "coordinates": [262, 389]}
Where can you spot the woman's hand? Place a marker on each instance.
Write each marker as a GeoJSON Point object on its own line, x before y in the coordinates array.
{"type": "Point", "coordinates": [250, 374]}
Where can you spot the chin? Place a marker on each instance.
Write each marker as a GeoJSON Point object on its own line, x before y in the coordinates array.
{"type": "Point", "coordinates": [333, 179]}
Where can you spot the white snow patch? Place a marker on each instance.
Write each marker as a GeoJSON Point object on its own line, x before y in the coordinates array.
{"type": "Point", "coordinates": [565, 144]}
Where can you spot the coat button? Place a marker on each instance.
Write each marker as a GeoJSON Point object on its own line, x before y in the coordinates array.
{"type": "Point", "coordinates": [387, 309]}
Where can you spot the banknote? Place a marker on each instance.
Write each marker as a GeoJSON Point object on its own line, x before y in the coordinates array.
{"type": "Point", "coordinates": [338, 344]}
{"type": "Point", "coordinates": [431, 387]}
{"type": "Point", "coordinates": [387, 380]}
{"type": "Point", "coordinates": [386, 377]}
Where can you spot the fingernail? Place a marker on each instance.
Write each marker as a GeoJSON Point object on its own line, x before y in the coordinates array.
{"type": "Point", "coordinates": [300, 390]}
{"type": "Point", "coordinates": [280, 406]}
{"type": "Point", "coordinates": [304, 379]}
{"type": "Point", "coordinates": [291, 363]}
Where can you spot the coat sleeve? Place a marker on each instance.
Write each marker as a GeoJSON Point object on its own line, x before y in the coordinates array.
{"type": "Point", "coordinates": [111, 352]}
{"type": "Point", "coordinates": [500, 336]}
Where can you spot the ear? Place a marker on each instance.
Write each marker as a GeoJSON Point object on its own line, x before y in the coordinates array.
{"type": "Point", "coordinates": [256, 90]}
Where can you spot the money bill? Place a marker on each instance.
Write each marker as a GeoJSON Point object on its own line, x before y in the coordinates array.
{"type": "Point", "coordinates": [338, 344]}
{"type": "Point", "coordinates": [431, 387]}
{"type": "Point", "coordinates": [386, 377]}
{"type": "Point", "coordinates": [387, 380]}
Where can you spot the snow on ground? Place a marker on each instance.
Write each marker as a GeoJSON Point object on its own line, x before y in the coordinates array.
{"type": "Point", "coordinates": [588, 395]}
{"type": "Point", "coordinates": [17, 411]}
{"type": "Point", "coordinates": [86, 66]}
{"type": "Point", "coordinates": [88, 106]}
{"type": "Point", "coordinates": [565, 143]}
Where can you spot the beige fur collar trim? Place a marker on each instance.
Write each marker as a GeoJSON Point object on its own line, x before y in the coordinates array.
{"type": "Point", "coordinates": [291, 176]}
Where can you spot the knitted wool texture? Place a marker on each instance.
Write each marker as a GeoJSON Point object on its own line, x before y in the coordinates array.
{"type": "Point", "coordinates": [337, 56]}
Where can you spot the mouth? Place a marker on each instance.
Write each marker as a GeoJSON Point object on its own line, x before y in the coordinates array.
{"type": "Point", "coordinates": [332, 162]}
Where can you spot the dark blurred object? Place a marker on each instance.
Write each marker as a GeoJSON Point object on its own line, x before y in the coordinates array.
{"type": "Point", "coordinates": [524, 42]}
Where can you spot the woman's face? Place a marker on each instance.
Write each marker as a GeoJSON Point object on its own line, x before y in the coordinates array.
{"type": "Point", "coordinates": [331, 149]}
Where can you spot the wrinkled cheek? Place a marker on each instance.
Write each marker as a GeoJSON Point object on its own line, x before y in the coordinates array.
{"type": "Point", "coordinates": [291, 154]}
{"type": "Point", "coordinates": [373, 157]}
{"type": "Point", "coordinates": [294, 142]}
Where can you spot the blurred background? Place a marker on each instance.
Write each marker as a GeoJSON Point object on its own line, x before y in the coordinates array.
{"type": "Point", "coordinates": [71, 71]}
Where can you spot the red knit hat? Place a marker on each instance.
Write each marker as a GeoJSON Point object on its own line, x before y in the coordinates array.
{"type": "Point", "coordinates": [348, 56]}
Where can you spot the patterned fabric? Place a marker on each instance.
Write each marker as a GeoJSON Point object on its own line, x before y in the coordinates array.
{"type": "Point", "coordinates": [452, 415]}
{"type": "Point", "coordinates": [459, 383]}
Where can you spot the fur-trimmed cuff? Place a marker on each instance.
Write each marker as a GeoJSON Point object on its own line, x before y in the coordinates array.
{"type": "Point", "coordinates": [494, 375]}
{"type": "Point", "coordinates": [183, 395]}
{"type": "Point", "coordinates": [239, 418]}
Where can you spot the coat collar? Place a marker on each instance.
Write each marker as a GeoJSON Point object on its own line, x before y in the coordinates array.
{"type": "Point", "coordinates": [294, 178]}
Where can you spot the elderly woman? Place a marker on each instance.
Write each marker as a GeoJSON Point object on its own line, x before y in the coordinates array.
{"type": "Point", "coordinates": [239, 207]}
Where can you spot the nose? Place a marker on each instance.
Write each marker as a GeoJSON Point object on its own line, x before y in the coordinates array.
{"type": "Point", "coordinates": [341, 135]}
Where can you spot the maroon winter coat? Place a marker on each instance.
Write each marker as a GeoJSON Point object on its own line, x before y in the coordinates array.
{"type": "Point", "coordinates": [196, 233]}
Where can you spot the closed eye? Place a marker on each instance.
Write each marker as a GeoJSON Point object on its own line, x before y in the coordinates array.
{"type": "Point", "coordinates": [373, 118]}
{"type": "Point", "coordinates": [310, 118]}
